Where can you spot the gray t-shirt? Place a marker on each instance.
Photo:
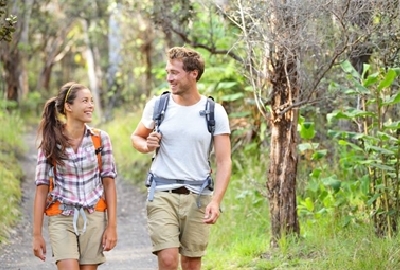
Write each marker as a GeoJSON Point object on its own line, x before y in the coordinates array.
{"type": "Point", "coordinates": [185, 142]}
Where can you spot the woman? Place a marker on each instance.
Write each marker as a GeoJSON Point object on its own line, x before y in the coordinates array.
{"type": "Point", "coordinates": [75, 182]}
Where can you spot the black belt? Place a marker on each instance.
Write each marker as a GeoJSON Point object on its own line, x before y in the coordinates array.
{"type": "Point", "coordinates": [180, 190]}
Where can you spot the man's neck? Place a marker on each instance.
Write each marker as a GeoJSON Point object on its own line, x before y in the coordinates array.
{"type": "Point", "coordinates": [188, 99]}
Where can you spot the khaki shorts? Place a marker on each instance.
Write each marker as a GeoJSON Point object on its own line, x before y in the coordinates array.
{"type": "Point", "coordinates": [86, 248]}
{"type": "Point", "coordinates": [175, 221]}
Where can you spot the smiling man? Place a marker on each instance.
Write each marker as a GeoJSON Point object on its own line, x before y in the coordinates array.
{"type": "Point", "coordinates": [182, 199]}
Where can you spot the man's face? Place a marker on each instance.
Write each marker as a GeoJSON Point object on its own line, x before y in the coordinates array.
{"type": "Point", "coordinates": [179, 80]}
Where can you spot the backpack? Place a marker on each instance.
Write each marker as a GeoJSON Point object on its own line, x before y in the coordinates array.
{"type": "Point", "coordinates": [161, 105]}
{"type": "Point", "coordinates": [55, 207]}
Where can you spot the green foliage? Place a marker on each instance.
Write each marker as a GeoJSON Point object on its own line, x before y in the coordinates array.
{"type": "Point", "coordinates": [10, 134]}
{"type": "Point", "coordinates": [131, 164]}
{"type": "Point", "coordinates": [10, 174]}
{"type": "Point", "coordinates": [8, 26]}
{"type": "Point", "coordinates": [239, 236]}
{"type": "Point", "coordinates": [367, 175]}
{"type": "Point", "coordinates": [10, 192]}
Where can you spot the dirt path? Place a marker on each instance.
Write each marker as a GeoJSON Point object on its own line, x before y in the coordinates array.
{"type": "Point", "coordinates": [133, 251]}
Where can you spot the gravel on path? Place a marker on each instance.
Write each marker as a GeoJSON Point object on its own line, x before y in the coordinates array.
{"type": "Point", "coordinates": [133, 251]}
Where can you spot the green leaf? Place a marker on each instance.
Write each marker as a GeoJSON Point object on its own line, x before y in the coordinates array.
{"type": "Point", "coordinates": [232, 97]}
{"type": "Point", "coordinates": [382, 166]}
{"type": "Point", "coordinates": [352, 145]}
{"type": "Point", "coordinates": [319, 154]}
{"type": "Point", "coordinates": [388, 80]}
{"type": "Point", "coordinates": [226, 85]}
{"type": "Point", "coordinates": [316, 173]}
{"type": "Point", "coordinates": [307, 130]}
{"type": "Point", "coordinates": [348, 68]}
{"type": "Point", "coordinates": [307, 146]}
{"type": "Point", "coordinates": [373, 199]}
{"type": "Point", "coordinates": [393, 125]}
{"type": "Point", "coordinates": [308, 204]}
{"type": "Point", "coordinates": [381, 150]}
{"type": "Point", "coordinates": [371, 79]}
{"type": "Point", "coordinates": [392, 100]}
{"type": "Point", "coordinates": [332, 182]}
{"type": "Point", "coordinates": [361, 89]}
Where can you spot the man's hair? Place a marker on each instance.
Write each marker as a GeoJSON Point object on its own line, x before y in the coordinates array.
{"type": "Point", "coordinates": [191, 60]}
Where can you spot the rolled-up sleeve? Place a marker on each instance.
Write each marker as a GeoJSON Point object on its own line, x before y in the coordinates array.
{"type": "Point", "coordinates": [42, 169]}
{"type": "Point", "coordinates": [109, 168]}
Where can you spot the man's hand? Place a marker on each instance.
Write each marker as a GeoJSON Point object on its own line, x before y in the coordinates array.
{"type": "Point", "coordinates": [153, 141]}
{"type": "Point", "coordinates": [212, 213]}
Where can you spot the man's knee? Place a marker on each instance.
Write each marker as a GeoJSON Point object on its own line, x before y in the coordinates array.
{"type": "Point", "coordinates": [190, 263]}
{"type": "Point", "coordinates": [168, 258]}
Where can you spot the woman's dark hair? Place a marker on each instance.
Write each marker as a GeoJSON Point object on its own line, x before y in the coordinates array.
{"type": "Point", "coordinates": [191, 60]}
{"type": "Point", "coordinates": [50, 131]}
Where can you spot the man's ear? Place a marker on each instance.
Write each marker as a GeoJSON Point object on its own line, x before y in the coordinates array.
{"type": "Point", "coordinates": [194, 73]}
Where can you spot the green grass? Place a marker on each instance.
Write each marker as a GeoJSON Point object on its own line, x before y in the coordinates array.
{"type": "Point", "coordinates": [131, 165]}
{"type": "Point", "coordinates": [11, 145]}
{"type": "Point", "coordinates": [240, 239]}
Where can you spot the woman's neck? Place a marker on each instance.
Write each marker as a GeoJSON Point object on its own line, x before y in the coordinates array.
{"type": "Point", "coordinates": [75, 132]}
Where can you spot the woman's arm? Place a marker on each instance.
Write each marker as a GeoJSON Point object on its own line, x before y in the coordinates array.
{"type": "Point", "coordinates": [39, 244]}
{"type": "Point", "coordinates": [110, 235]}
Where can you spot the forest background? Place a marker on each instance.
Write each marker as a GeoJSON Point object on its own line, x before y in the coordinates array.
{"type": "Point", "coordinates": [312, 92]}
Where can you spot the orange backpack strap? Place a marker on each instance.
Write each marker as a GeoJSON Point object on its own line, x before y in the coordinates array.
{"type": "Point", "coordinates": [96, 139]}
{"type": "Point", "coordinates": [53, 207]}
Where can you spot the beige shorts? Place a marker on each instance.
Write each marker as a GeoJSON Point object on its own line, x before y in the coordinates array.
{"type": "Point", "coordinates": [175, 221]}
{"type": "Point", "coordinates": [86, 248]}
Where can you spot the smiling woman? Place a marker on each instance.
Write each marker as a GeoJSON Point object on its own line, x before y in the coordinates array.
{"type": "Point", "coordinates": [75, 183]}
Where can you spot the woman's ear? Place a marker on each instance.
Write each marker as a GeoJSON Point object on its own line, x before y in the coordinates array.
{"type": "Point", "coordinates": [67, 107]}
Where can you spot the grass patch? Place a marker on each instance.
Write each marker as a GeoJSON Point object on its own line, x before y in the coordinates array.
{"type": "Point", "coordinates": [11, 145]}
{"type": "Point", "coordinates": [131, 164]}
{"type": "Point", "coordinates": [240, 239]}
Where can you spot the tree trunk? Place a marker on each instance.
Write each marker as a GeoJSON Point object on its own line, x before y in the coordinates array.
{"type": "Point", "coordinates": [93, 83]}
{"type": "Point", "coordinates": [10, 56]}
{"type": "Point", "coordinates": [11, 60]}
{"type": "Point", "coordinates": [147, 50]}
{"type": "Point", "coordinates": [25, 42]}
{"type": "Point", "coordinates": [282, 171]}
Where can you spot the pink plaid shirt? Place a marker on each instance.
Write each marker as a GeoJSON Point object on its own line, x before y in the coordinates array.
{"type": "Point", "coordinates": [78, 182]}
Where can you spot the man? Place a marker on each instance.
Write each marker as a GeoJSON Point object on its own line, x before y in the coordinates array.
{"type": "Point", "coordinates": [181, 210]}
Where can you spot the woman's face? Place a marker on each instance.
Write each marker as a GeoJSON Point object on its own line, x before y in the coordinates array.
{"type": "Point", "coordinates": [82, 107]}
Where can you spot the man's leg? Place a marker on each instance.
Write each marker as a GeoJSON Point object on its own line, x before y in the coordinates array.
{"type": "Point", "coordinates": [168, 259]}
{"type": "Point", "coordinates": [190, 263]}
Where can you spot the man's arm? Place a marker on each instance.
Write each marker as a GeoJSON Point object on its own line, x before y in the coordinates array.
{"type": "Point", "coordinates": [145, 140]}
{"type": "Point", "coordinates": [222, 148]}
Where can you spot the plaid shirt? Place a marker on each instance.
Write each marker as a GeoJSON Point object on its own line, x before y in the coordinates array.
{"type": "Point", "coordinates": [78, 181]}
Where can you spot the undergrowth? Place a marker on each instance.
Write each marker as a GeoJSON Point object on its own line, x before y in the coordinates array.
{"type": "Point", "coordinates": [11, 146]}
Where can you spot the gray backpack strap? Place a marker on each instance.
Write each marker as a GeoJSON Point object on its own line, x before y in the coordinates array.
{"type": "Point", "coordinates": [210, 119]}
{"type": "Point", "coordinates": [160, 107]}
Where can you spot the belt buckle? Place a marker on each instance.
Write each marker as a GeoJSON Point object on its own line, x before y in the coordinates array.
{"type": "Point", "coordinates": [183, 190]}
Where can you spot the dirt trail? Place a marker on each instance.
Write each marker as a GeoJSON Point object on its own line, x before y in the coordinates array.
{"type": "Point", "coordinates": [133, 251]}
